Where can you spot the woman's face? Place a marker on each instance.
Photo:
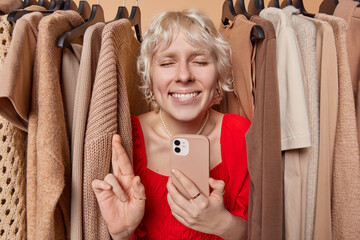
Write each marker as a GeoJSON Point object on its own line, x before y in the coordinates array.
{"type": "Point", "coordinates": [184, 79]}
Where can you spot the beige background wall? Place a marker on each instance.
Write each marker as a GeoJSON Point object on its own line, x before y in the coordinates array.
{"type": "Point", "coordinates": [213, 8]}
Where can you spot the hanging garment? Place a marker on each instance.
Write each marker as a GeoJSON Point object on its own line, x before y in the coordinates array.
{"type": "Point", "coordinates": [237, 34]}
{"type": "Point", "coordinates": [15, 87]}
{"type": "Point", "coordinates": [328, 82]}
{"type": "Point", "coordinates": [7, 6]}
{"type": "Point", "coordinates": [295, 129]}
{"type": "Point", "coordinates": [89, 60]}
{"type": "Point", "coordinates": [346, 169]}
{"type": "Point", "coordinates": [263, 143]}
{"type": "Point", "coordinates": [12, 161]}
{"type": "Point", "coordinates": [349, 10]}
{"type": "Point", "coordinates": [109, 114]}
{"type": "Point", "coordinates": [306, 37]}
{"type": "Point", "coordinates": [70, 69]}
{"type": "Point", "coordinates": [48, 164]}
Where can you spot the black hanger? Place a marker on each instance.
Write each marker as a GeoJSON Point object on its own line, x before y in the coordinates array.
{"type": "Point", "coordinates": [121, 13]}
{"type": "Point", "coordinates": [259, 4]}
{"type": "Point", "coordinates": [84, 9]}
{"type": "Point", "coordinates": [135, 20]}
{"type": "Point", "coordinates": [97, 15]}
{"type": "Point", "coordinates": [240, 8]}
{"type": "Point", "coordinates": [276, 4]}
{"type": "Point", "coordinates": [26, 3]}
{"type": "Point", "coordinates": [66, 5]}
{"type": "Point", "coordinates": [15, 15]}
{"type": "Point", "coordinates": [303, 11]}
{"type": "Point", "coordinates": [228, 12]}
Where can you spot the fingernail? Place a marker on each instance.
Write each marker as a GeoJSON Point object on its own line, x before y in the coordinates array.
{"type": "Point", "coordinates": [123, 198]}
{"type": "Point", "coordinates": [175, 172]}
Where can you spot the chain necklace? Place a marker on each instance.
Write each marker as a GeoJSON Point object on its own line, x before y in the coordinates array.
{"type": "Point", "coordinates": [198, 133]}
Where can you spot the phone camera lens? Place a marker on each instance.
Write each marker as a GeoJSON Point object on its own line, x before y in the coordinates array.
{"type": "Point", "coordinates": [177, 149]}
{"type": "Point", "coordinates": [177, 143]}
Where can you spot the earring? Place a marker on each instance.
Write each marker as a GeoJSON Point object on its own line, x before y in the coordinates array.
{"type": "Point", "coordinates": [152, 97]}
{"type": "Point", "coordinates": [218, 93]}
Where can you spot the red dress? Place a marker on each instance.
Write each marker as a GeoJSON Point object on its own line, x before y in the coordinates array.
{"type": "Point", "coordinates": [158, 222]}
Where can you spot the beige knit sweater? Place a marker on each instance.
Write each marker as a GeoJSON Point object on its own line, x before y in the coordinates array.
{"type": "Point", "coordinates": [346, 166]}
{"type": "Point", "coordinates": [12, 163]}
{"type": "Point", "coordinates": [109, 114]}
{"type": "Point", "coordinates": [48, 163]}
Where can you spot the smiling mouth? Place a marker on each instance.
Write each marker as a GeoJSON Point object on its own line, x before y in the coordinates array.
{"type": "Point", "coordinates": [184, 95]}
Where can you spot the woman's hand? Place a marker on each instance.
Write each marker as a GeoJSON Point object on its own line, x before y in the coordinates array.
{"type": "Point", "coordinates": [203, 214]}
{"type": "Point", "coordinates": [121, 195]}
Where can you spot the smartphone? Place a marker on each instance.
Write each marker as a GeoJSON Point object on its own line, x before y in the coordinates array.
{"type": "Point", "coordinates": [190, 154]}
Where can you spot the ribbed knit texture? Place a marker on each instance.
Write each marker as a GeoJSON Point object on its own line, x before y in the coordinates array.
{"type": "Point", "coordinates": [306, 33]}
{"type": "Point", "coordinates": [86, 77]}
{"type": "Point", "coordinates": [48, 165]}
{"type": "Point", "coordinates": [346, 167]}
{"type": "Point", "coordinates": [12, 163]}
{"type": "Point", "coordinates": [7, 6]}
{"type": "Point", "coordinates": [109, 114]}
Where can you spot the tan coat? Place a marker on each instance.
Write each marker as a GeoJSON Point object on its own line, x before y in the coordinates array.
{"type": "Point", "coordinates": [48, 164]}
{"type": "Point", "coordinates": [241, 101]}
{"type": "Point", "coordinates": [263, 143]}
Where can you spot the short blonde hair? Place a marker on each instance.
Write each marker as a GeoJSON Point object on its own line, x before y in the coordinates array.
{"type": "Point", "coordinates": [199, 31]}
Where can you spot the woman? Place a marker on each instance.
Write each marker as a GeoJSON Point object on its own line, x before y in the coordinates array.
{"type": "Point", "coordinates": [185, 68]}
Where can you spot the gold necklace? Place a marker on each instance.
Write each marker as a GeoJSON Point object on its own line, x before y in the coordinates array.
{"type": "Point", "coordinates": [198, 133]}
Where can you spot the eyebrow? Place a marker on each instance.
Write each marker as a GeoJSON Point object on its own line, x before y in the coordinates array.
{"type": "Point", "coordinates": [195, 52]}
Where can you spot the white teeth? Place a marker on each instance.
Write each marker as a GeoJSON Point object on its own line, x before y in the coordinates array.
{"type": "Point", "coordinates": [184, 95]}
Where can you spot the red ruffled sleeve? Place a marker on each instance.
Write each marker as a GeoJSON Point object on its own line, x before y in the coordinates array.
{"type": "Point", "coordinates": [233, 151]}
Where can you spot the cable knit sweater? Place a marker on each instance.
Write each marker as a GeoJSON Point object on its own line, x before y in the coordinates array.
{"type": "Point", "coordinates": [109, 114]}
{"type": "Point", "coordinates": [12, 162]}
{"type": "Point", "coordinates": [48, 164]}
{"type": "Point", "coordinates": [346, 166]}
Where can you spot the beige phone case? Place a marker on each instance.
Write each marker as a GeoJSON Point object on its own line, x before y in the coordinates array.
{"type": "Point", "coordinates": [195, 164]}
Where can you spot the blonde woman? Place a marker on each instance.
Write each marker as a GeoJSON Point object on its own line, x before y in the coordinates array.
{"type": "Point", "coordinates": [185, 68]}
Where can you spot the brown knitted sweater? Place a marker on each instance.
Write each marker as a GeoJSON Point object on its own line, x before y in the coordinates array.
{"type": "Point", "coordinates": [48, 163]}
{"type": "Point", "coordinates": [346, 167]}
{"type": "Point", "coordinates": [109, 114]}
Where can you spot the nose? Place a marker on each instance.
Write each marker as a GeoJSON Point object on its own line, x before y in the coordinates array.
{"type": "Point", "coordinates": [184, 73]}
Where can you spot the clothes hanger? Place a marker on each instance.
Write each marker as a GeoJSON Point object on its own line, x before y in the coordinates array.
{"type": "Point", "coordinates": [28, 3]}
{"type": "Point", "coordinates": [240, 8]}
{"type": "Point", "coordinates": [66, 5]}
{"type": "Point", "coordinates": [276, 4]}
{"type": "Point", "coordinates": [84, 9]}
{"type": "Point", "coordinates": [259, 4]}
{"type": "Point", "coordinates": [303, 11]}
{"type": "Point", "coordinates": [256, 32]}
{"type": "Point", "coordinates": [228, 12]}
{"type": "Point", "coordinates": [97, 15]}
{"type": "Point", "coordinates": [15, 15]}
{"type": "Point", "coordinates": [122, 12]}
{"type": "Point", "coordinates": [135, 20]}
